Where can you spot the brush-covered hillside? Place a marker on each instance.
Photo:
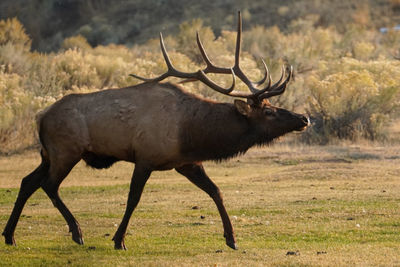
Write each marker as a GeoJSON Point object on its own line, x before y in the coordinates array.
{"type": "Point", "coordinates": [49, 22]}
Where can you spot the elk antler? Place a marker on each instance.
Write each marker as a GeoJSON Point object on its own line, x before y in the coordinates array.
{"type": "Point", "coordinates": [198, 75]}
{"type": "Point", "coordinates": [276, 89]}
{"type": "Point", "coordinates": [255, 93]}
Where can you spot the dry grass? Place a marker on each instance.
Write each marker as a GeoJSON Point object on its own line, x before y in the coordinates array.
{"type": "Point", "coordinates": [335, 205]}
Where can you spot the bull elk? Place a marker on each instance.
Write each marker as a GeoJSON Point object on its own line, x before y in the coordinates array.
{"type": "Point", "coordinates": [157, 126]}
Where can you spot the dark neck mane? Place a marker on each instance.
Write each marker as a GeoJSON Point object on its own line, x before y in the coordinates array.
{"type": "Point", "coordinates": [216, 131]}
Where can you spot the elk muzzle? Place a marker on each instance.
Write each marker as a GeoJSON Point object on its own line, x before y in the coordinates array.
{"type": "Point", "coordinates": [304, 122]}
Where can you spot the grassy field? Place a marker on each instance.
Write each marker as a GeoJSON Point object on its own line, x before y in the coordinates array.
{"type": "Point", "coordinates": [332, 205]}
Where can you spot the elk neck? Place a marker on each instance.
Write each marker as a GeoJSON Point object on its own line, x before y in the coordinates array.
{"type": "Point", "coordinates": [217, 131]}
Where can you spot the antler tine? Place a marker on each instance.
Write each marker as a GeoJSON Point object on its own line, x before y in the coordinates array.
{"type": "Point", "coordinates": [211, 68]}
{"type": "Point", "coordinates": [238, 40]}
{"type": "Point", "coordinates": [167, 61]}
{"type": "Point", "coordinates": [280, 86]}
{"type": "Point", "coordinates": [165, 54]}
{"type": "Point", "coordinates": [201, 76]}
{"type": "Point", "coordinates": [279, 82]}
{"type": "Point", "coordinates": [266, 73]}
{"type": "Point", "coordinates": [237, 69]}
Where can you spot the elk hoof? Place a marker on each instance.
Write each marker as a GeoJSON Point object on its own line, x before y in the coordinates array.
{"type": "Point", "coordinates": [9, 239]}
{"type": "Point", "coordinates": [119, 242]}
{"type": "Point", "coordinates": [231, 244]}
{"type": "Point", "coordinates": [77, 237]}
{"type": "Point", "coordinates": [230, 241]}
{"type": "Point", "coordinates": [120, 245]}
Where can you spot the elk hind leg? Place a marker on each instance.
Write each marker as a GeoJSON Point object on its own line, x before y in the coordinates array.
{"type": "Point", "coordinates": [28, 186]}
{"type": "Point", "coordinates": [196, 174]}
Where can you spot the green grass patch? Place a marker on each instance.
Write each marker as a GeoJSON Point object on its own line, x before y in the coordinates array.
{"type": "Point", "coordinates": [349, 218]}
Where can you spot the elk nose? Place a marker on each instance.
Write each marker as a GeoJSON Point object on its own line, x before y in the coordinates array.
{"type": "Point", "coordinates": [305, 119]}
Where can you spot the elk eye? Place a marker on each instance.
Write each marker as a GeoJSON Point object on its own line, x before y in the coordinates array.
{"type": "Point", "coordinates": [268, 112]}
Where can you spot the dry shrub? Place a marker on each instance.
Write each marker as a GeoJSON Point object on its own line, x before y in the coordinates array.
{"type": "Point", "coordinates": [353, 102]}
{"type": "Point", "coordinates": [17, 110]}
{"type": "Point", "coordinates": [348, 82]}
{"type": "Point", "coordinates": [75, 42]}
{"type": "Point", "coordinates": [13, 32]}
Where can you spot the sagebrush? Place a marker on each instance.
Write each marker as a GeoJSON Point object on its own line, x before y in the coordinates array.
{"type": "Point", "coordinates": [347, 81]}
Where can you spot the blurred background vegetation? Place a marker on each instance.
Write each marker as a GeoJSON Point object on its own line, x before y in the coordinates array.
{"type": "Point", "coordinates": [345, 55]}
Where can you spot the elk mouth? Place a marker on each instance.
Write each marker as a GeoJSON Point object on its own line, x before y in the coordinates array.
{"type": "Point", "coordinates": [301, 128]}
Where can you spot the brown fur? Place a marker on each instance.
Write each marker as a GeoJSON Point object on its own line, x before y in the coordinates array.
{"type": "Point", "coordinates": [157, 127]}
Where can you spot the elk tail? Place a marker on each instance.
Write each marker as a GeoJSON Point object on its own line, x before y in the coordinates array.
{"type": "Point", "coordinates": [43, 152]}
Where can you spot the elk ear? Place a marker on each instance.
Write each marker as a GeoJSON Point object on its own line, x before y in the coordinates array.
{"type": "Point", "coordinates": [242, 107]}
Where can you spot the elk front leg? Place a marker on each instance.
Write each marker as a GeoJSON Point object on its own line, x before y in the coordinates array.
{"type": "Point", "coordinates": [139, 179]}
{"type": "Point", "coordinates": [196, 174]}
